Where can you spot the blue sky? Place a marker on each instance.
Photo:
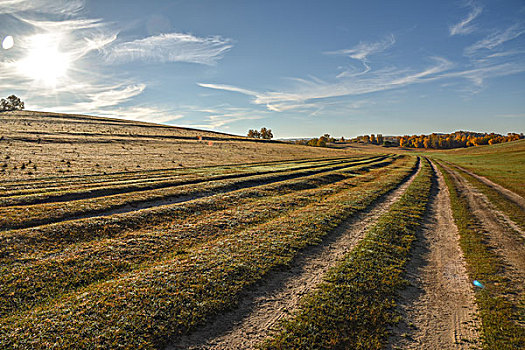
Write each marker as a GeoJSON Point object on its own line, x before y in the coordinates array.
{"type": "Point", "coordinates": [301, 68]}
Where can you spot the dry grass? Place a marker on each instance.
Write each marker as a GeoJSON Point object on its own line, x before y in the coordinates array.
{"type": "Point", "coordinates": [38, 144]}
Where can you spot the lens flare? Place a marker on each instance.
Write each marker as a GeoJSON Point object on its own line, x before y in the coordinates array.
{"type": "Point", "coordinates": [8, 42]}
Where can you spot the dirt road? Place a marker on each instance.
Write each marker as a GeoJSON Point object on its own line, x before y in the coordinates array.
{"type": "Point", "coordinates": [438, 308]}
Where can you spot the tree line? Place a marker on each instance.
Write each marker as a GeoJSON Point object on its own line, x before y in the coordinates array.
{"type": "Point", "coordinates": [458, 139]}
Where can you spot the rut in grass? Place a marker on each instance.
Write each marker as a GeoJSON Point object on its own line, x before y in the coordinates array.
{"type": "Point", "coordinates": [506, 241]}
{"type": "Point", "coordinates": [38, 214]}
{"type": "Point", "coordinates": [88, 190]}
{"type": "Point", "coordinates": [514, 197]}
{"type": "Point", "coordinates": [498, 308]}
{"type": "Point", "coordinates": [278, 296]}
{"type": "Point", "coordinates": [438, 307]}
{"type": "Point", "coordinates": [53, 270]}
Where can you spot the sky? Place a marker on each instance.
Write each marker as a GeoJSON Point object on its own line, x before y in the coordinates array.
{"type": "Point", "coordinates": [301, 68]}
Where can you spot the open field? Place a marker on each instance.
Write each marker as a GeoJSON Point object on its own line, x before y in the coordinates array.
{"type": "Point", "coordinates": [37, 144]}
{"type": "Point", "coordinates": [502, 163]}
{"type": "Point", "coordinates": [243, 244]}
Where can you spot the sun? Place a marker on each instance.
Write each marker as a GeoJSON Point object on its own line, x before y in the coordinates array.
{"type": "Point", "coordinates": [44, 62]}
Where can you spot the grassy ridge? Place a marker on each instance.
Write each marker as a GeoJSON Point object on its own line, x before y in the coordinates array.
{"type": "Point", "coordinates": [354, 307]}
{"type": "Point", "coordinates": [152, 183]}
{"type": "Point", "coordinates": [48, 274]}
{"type": "Point", "coordinates": [147, 307]}
{"type": "Point", "coordinates": [499, 316]}
{"type": "Point", "coordinates": [38, 214]}
{"type": "Point", "coordinates": [60, 235]}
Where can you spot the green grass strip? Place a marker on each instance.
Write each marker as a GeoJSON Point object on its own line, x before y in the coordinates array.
{"type": "Point", "coordinates": [354, 307]}
{"type": "Point", "coordinates": [45, 213]}
{"type": "Point", "coordinates": [498, 315]}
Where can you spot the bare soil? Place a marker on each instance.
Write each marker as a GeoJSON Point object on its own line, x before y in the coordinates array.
{"type": "Point", "coordinates": [279, 295]}
{"type": "Point", "coordinates": [438, 307]}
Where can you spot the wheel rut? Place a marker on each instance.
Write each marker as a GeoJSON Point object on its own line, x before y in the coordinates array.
{"type": "Point", "coordinates": [506, 239]}
{"type": "Point", "coordinates": [514, 197]}
{"type": "Point", "coordinates": [278, 296]}
{"type": "Point", "coordinates": [438, 307]}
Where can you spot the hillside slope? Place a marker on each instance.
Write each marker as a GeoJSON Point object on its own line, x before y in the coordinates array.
{"type": "Point", "coordinates": [41, 144]}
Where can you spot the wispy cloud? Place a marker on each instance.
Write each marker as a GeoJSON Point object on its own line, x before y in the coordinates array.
{"type": "Point", "coordinates": [172, 47]}
{"type": "Point", "coordinates": [465, 26]}
{"type": "Point", "coordinates": [364, 49]}
{"type": "Point", "coordinates": [308, 92]}
{"type": "Point", "coordinates": [496, 39]}
{"type": "Point", "coordinates": [220, 116]}
{"type": "Point", "coordinates": [361, 52]}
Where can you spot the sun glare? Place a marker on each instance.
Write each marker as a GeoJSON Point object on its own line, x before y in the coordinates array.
{"type": "Point", "coordinates": [44, 62]}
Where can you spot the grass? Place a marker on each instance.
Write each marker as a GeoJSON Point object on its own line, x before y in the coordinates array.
{"type": "Point", "coordinates": [499, 316]}
{"type": "Point", "coordinates": [35, 276]}
{"type": "Point", "coordinates": [502, 163]}
{"type": "Point", "coordinates": [51, 140]}
{"type": "Point", "coordinates": [120, 185]}
{"type": "Point", "coordinates": [44, 213]}
{"type": "Point", "coordinates": [354, 307]}
{"type": "Point", "coordinates": [162, 299]}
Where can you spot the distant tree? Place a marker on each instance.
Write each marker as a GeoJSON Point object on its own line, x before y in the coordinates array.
{"type": "Point", "coordinates": [342, 139]}
{"type": "Point", "coordinates": [373, 139]}
{"type": "Point", "coordinates": [313, 142]}
{"type": "Point", "coordinates": [380, 139]}
{"type": "Point", "coordinates": [254, 133]}
{"type": "Point", "coordinates": [266, 134]}
{"type": "Point", "coordinates": [12, 103]}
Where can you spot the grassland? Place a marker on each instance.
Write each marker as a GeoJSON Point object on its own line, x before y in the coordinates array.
{"type": "Point", "coordinates": [502, 163]}
{"type": "Point", "coordinates": [118, 234]}
{"type": "Point", "coordinates": [36, 145]}
{"type": "Point", "coordinates": [144, 288]}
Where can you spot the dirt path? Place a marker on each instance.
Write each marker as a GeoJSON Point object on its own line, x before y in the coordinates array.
{"type": "Point", "coordinates": [514, 197]}
{"type": "Point", "coordinates": [279, 295]}
{"type": "Point", "coordinates": [506, 239]}
{"type": "Point", "coordinates": [438, 307]}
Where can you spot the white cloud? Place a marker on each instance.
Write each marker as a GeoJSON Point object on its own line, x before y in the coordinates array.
{"type": "Point", "coordinates": [172, 47]}
{"type": "Point", "coordinates": [361, 52]}
{"type": "Point", "coordinates": [220, 116]}
{"type": "Point", "coordinates": [306, 93]}
{"type": "Point", "coordinates": [496, 39]}
{"type": "Point", "coordinates": [465, 26]}
{"type": "Point", "coordinates": [364, 49]}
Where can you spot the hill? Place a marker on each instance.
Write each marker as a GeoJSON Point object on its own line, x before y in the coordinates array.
{"type": "Point", "coordinates": [41, 144]}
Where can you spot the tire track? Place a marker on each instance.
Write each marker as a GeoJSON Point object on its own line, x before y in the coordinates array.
{"type": "Point", "coordinates": [278, 296]}
{"type": "Point", "coordinates": [438, 307]}
{"type": "Point", "coordinates": [514, 197]}
{"type": "Point", "coordinates": [507, 240]}
{"type": "Point", "coordinates": [69, 211]}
